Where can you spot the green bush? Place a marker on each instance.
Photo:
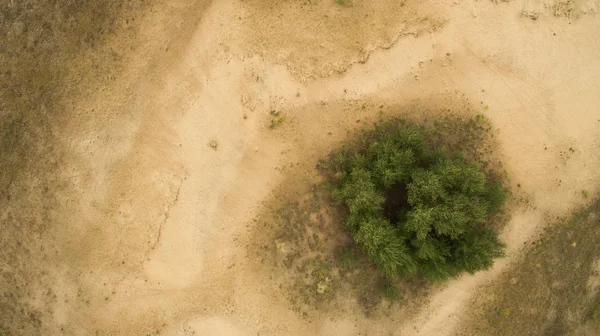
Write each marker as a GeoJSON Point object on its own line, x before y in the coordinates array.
{"type": "Point", "coordinates": [414, 209]}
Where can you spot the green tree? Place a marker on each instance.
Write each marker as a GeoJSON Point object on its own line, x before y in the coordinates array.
{"type": "Point", "coordinates": [440, 203]}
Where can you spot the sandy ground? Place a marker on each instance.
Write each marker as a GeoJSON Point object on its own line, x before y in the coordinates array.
{"type": "Point", "coordinates": [149, 233]}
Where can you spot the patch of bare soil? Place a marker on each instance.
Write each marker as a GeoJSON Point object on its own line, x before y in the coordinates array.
{"type": "Point", "coordinates": [134, 164]}
{"type": "Point", "coordinates": [570, 9]}
{"type": "Point", "coordinates": [324, 38]}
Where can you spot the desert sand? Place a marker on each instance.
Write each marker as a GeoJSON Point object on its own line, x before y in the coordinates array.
{"type": "Point", "coordinates": [166, 155]}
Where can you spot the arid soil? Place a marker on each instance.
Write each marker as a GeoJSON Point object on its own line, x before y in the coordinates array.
{"type": "Point", "coordinates": [138, 157]}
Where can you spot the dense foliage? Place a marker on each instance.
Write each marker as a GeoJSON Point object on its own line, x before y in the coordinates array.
{"type": "Point", "coordinates": [414, 209]}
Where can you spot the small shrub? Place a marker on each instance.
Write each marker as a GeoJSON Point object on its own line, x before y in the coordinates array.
{"type": "Point", "coordinates": [415, 209]}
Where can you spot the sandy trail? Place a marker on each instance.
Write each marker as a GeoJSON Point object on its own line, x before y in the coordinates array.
{"type": "Point", "coordinates": [156, 239]}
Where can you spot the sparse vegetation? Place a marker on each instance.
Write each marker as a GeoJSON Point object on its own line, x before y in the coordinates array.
{"type": "Point", "coordinates": [46, 47]}
{"type": "Point", "coordinates": [277, 119]}
{"type": "Point", "coordinates": [390, 292]}
{"type": "Point", "coordinates": [322, 262]}
{"type": "Point", "coordinates": [347, 258]}
{"type": "Point", "coordinates": [503, 312]}
{"type": "Point", "coordinates": [553, 289]}
{"type": "Point", "coordinates": [596, 313]}
{"type": "Point", "coordinates": [416, 208]}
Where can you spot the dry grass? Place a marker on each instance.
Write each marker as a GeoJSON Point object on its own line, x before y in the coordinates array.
{"type": "Point", "coordinates": [321, 267]}
{"type": "Point", "coordinates": [45, 50]}
{"type": "Point", "coordinates": [551, 290]}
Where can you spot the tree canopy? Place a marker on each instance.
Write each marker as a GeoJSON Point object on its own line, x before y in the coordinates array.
{"type": "Point", "coordinates": [415, 209]}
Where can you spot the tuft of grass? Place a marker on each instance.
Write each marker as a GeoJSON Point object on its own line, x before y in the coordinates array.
{"type": "Point", "coordinates": [389, 291]}
{"type": "Point", "coordinates": [503, 312]}
{"type": "Point", "coordinates": [347, 258]}
{"type": "Point", "coordinates": [322, 165]}
{"type": "Point", "coordinates": [277, 119]}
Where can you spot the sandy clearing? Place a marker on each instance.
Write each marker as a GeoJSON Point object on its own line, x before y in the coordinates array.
{"type": "Point", "coordinates": [159, 228]}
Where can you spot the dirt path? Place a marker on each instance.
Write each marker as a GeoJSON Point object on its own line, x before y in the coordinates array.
{"type": "Point", "coordinates": [172, 165]}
